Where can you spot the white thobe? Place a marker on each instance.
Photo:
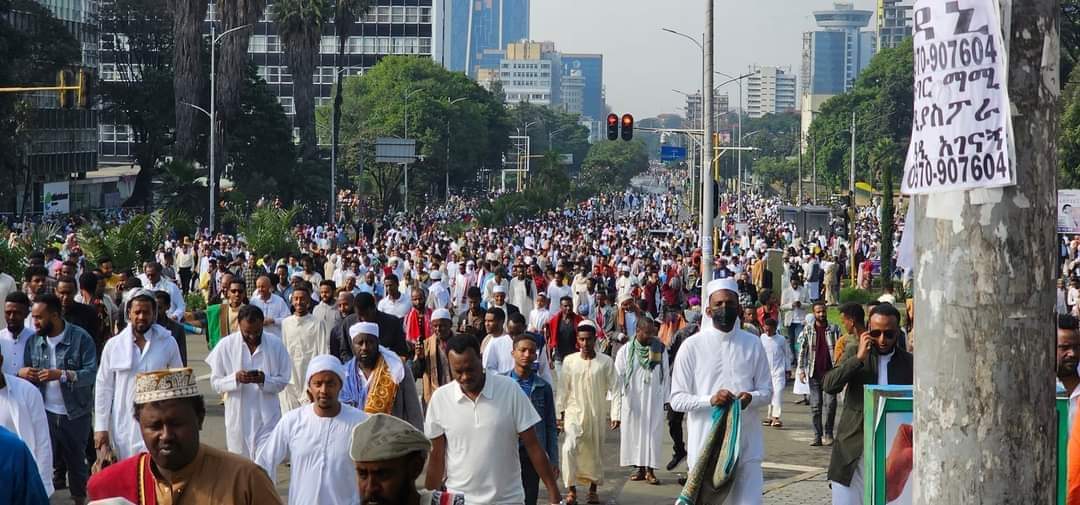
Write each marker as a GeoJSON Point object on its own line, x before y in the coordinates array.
{"type": "Point", "coordinates": [521, 294]}
{"type": "Point", "coordinates": [707, 362]}
{"type": "Point", "coordinates": [538, 320]}
{"type": "Point", "coordinates": [304, 338]}
{"type": "Point", "coordinates": [328, 314]}
{"type": "Point", "coordinates": [251, 410]}
{"type": "Point", "coordinates": [320, 469]}
{"type": "Point", "coordinates": [398, 308]}
{"type": "Point", "coordinates": [275, 308]}
{"type": "Point", "coordinates": [497, 356]}
{"type": "Point", "coordinates": [114, 387]}
{"type": "Point", "coordinates": [13, 348]}
{"type": "Point", "coordinates": [438, 296]}
{"type": "Point", "coordinates": [176, 297]}
{"type": "Point", "coordinates": [644, 394]}
{"type": "Point", "coordinates": [22, 412]}
{"type": "Point", "coordinates": [778, 354]}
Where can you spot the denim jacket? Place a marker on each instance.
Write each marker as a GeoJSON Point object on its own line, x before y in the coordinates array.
{"type": "Point", "coordinates": [75, 352]}
{"type": "Point", "coordinates": [547, 431]}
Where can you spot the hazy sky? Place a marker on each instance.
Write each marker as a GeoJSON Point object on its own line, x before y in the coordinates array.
{"type": "Point", "coordinates": [642, 63]}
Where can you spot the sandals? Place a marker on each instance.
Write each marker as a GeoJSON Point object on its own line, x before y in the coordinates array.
{"type": "Point", "coordinates": [652, 480]}
{"type": "Point", "coordinates": [777, 424]}
{"type": "Point", "coordinates": [637, 475]}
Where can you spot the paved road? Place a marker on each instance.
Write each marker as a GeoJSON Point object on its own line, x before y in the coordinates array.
{"type": "Point", "coordinates": [793, 469]}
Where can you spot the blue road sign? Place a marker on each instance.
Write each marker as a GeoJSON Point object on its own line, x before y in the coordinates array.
{"type": "Point", "coordinates": [672, 153]}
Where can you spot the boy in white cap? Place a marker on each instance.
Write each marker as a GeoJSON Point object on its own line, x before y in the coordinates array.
{"type": "Point", "coordinates": [307, 435]}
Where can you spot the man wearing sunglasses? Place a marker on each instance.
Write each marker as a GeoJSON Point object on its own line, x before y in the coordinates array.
{"type": "Point", "coordinates": [877, 359]}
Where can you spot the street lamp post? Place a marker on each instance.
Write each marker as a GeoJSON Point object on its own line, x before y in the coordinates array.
{"type": "Point", "coordinates": [405, 204]}
{"type": "Point", "coordinates": [450, 103]}
{"type": "Point", "coordinates": [551, 135]}
{"type": "Point", "coordinates": [706, 157]}
{"type": "Point", "coordinates": [738, 81]}
{"type": "Point", "coordinates": [212, 183]}
{"type": "Point", "coordinates": [701, 47]}
{"type": "Point", "coordinates": [333, 150]}
{"type": "Point", "coordinates": [528, 154]}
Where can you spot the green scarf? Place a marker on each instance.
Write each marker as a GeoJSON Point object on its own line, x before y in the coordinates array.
{"type": "Point", "coordinates": [646, 356]}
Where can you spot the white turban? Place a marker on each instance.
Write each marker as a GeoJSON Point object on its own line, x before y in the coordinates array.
{"type": "Point", "coordinates": [498, 289]}
{"type": "Point", "coordinates": [325, 363]}
{"type": "Point", "coordinates": [365, 328]}
{"type": "Point", "coordinates": [727, 283]}
{"type": "Point", "coordinates": [436, 275]}
{"type": "Point", "coordinates": [440, 314]}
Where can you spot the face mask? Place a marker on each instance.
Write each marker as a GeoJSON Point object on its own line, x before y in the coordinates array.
{"type": "Point", "coordinates": [724, 320]}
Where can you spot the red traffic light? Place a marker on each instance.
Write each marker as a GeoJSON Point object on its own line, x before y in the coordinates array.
{"type": "Point", "coordinates": [627, 127]}
{"type": "Point", "coordinates": [612, 119]}
{"type": "Point", "coordinates": [613, 127]}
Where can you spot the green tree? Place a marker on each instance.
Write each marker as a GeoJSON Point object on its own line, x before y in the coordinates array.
{"type": "Point", "coordinates": [1069, 136]}
{"type": "Point", "coordinates": [261, 151]}
{"type": "Point", "coordinates": [887, 158]}
{"type": "Point", "coordinates": [881, 100]}
{"type": "Point", "coordinates": [374, 106]}
{"type": "Point", "coordinates": [267, 230]}
{"type": "Point", "coordinates": [129, 243]}
{"type": "Point", "coordinates": [300, 25]}
{"type": "Point", "coordinates": [782, 172]}
{"type": "Point", "coordinates": [611, 164]}
{"type": "Point", "coordinates": [189, 82]}
{"type": "Point", "coordinates": [553, 131]}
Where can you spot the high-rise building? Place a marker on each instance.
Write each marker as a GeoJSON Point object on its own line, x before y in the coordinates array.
{"type": "Point", "coordinates": [770, 90]}
{"type": "Point", "coordinates": [468, 28]}
{"type": "Point", "coordinates": [62, 142]}
{"type": "Point", "coordinates": [531, 72]}
{"type": "Point", "coordinates": [591, 67]}
{"type": "Point", "coordinates": [573, 92]}
{"type": "Point", "coordinates": [694, 112]}
{"type": "Point", "coordinates": [833, 55]}
{"type": "Point", "coordinates": [390, 27]}
{"type": "Point", "coordinates": [893, 22]}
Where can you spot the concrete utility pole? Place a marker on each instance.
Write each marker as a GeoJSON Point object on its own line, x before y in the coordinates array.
{"type": "Point", "coordinates": [985, 428]}
{"type": "Point", "coordinates": [707, 158]}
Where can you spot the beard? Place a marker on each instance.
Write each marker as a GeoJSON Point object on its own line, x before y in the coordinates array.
{"type": "Point", "coordinates": [45, 329]}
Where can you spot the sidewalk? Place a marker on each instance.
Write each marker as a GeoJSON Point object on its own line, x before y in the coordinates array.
{"type": "Point", "coordinates": [806, 489]}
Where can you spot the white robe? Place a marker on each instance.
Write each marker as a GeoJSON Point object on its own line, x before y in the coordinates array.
{"type": "Point", "coordinates": [114, 387]}
{"type": "Point", "coordinates": [521, 294]}
{"type": "Point", "coordinates": [709, 361]}
{"type": "Point", "coordinates": [251, 410]}
{"type": "Point", "coordinates": [778, 353]}
{"type": "Point", "coordinates": [584, 389]}
{"type": "Point", "coordinates": [438, 296]}
{"type": "Point", "coordinates": [320, 469]}
{"type": "Point", "coordinates": [304, 338]}
{"type": "Point", "coordinates": [22, 412]}
{"type": "Point", "coordinates": [275, 308]}
{"type": "Point", "coordinates": [642, 431]}
{"type": "Point", "coordinates": [328, 314]}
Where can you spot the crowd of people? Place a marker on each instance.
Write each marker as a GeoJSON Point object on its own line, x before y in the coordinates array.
{"type": "Point", "coordinates": [496, 359]}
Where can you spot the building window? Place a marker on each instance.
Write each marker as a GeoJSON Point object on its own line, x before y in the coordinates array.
{"type": "Point", "coordinates": [264, 44]}
{"type": "Point", "coordinates": [275, 74]}
{"type": "Point", "coordinates": [328, 44]}
{"type": "Point", "coordinates": [412, 14]}
{"type": "Point", "coordinates": [399, 45]}
{"type": "Point", "coordinates": [324, 75]}
{"type": "Point", "coordinates": [211, 12]}
{"type": "Point", "coordinates": [287, 104]}
{"type": "Point", "coordinates": [425, 14]}
{"type": "Point", "coordinates": [109, 72]}
{"type": "Point", "coordinates": [397, 14]}
{"type": "Point", "coordinates": [384, 45]}
{"type": "Point", "coordinates": [425, 45]}
{"type": "Point", "coordinates": [355, 45]}
{"type": "Point", "coordinates": [382, 14]}
{"type": "Point", "coordinates": [268, 14]}
{"type": "Point", "coordinates": [369, 45]}
{"type": "Point", "coordinates": [115, 133]}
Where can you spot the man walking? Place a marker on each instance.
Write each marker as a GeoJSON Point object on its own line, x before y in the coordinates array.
{"type": "Point", "coordinates": [777, 351]}
{"type": "Point", "coordinates": [816, 344]}
{"type": "Point", "coordinates": [305, 336]}
{"type": "Point", "coordinates": [876, 359]}
{"type": "Point", "coordinates": [377, 380]}
{"type": "Point", "coordinates": [60, 359]}
{"type": "Point", "coordinates": [542, 396]}
{"type": "Point", "coordinates": [644, 380]}
{"type": "Point", "coordinates": [586, 381]}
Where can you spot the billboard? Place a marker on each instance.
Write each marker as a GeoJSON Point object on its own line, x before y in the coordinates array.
{"type": "Point", "coordinates": [1068, 206]}
{"type": "Point", "coordinates": [56, 197]}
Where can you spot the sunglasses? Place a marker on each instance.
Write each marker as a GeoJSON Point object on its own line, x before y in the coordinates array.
{"type": "Point", "coordinates": [889, 334]}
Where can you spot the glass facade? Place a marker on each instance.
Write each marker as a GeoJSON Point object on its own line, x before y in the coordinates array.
{"type": "Point", "coordinates": [591, 67]}
{"type": "Point", "coordinates": [473, 27]}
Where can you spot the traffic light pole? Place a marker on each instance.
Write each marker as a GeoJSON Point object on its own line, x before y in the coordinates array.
{"type": "Point", "coordinates": [706, 158]}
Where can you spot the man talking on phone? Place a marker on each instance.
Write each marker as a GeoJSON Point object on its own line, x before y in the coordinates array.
{"type": "Point", "coordinates": [877, 360]}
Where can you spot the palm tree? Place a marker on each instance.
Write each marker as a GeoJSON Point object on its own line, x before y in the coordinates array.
{"type": "Point", "coordinates": [300, 23]}
{"type": "Point", "coordinates": [344, 13]}
{"type": "Point", "coordinates": [232, 65]}
{"type": "Point", "coordinates": [188, 16]}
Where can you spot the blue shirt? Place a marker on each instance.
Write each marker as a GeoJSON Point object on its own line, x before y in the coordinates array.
{"type": "Point", "coordinates": [20, 481]}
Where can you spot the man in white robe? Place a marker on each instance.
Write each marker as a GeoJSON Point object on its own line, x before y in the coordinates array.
{"type": "Point", "coordinates": [716, 366]}
{"type": "Point", "coordinates": [311, 436]}
{"type": "Point", "coordinates": [644, 384]}
{"type": "Point", "coordinates": [142, 347]}
{"type": "Point", "coordinates": [22, 412]}
{"type": "Point", "coordinates": [152, 279]}
{"type": "Point", "coordinates": [305, 336]}
{"type": "Point", "coordinates": [521, 292]}
{"type": "Point", "coordinates": [586, 381]}
{"type": "Point", "coordinates": [438, 295]}
{"type": "Point", "coordinates": [249, 368]}
{"type": "Point", "coordinates": [778, 353]}
{"type": "Point", "coordinates": [273, 307]}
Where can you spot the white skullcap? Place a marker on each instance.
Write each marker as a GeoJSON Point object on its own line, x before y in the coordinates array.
{"type": "Point", "coordinates": [728, 284]}
{"type": "Point", "coordinates": [297, 275]}
{"type": "Point", "coordinates": [499, 289]}
{"type": "Point", "coordinates": [325, 363]}
{"type": "Point", "coordinates": [440, 314]}
{"type": "Point", "coordinates": [365, 328]}
{"type": "Point", "coordinates": [586, 323]}
{"type": "Point", "coordinates": [436, 275]}
{"type": "Point", "coordinates": [624, 268]}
